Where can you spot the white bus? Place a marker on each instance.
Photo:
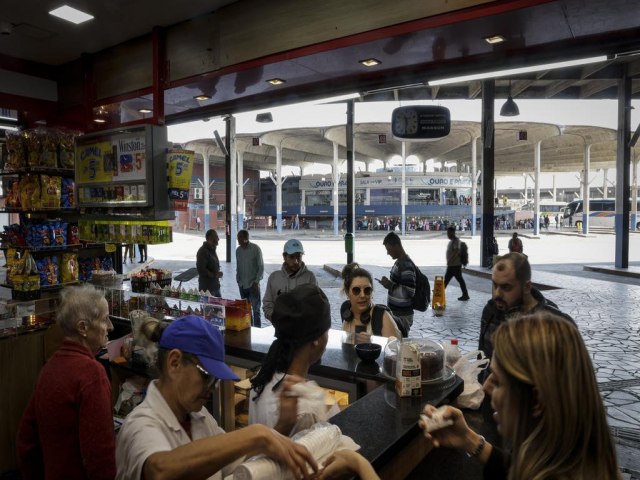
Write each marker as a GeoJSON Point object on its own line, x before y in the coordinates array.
{"type": "Point", "coordinates": [602, 213]}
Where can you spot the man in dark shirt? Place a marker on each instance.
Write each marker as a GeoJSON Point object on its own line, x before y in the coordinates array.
{"type": "Point", "coordinates": [512, 294]}
{"type": "Point", "coordinates": [208, 265]}
{"type": "Point", "coordinates": [402, 284]}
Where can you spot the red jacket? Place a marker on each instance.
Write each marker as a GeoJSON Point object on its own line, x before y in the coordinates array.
{"type": "Point", "coordinates": [66, 431]}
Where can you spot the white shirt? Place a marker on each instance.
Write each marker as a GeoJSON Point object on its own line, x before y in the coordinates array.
{"type": "Point", "coordinates": [266, 409]}
{"type": "Point", "coordinates": [152, 427]}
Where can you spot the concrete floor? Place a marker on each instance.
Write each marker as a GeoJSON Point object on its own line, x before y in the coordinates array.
{"type": "Point", "coordinates": [603, 305]}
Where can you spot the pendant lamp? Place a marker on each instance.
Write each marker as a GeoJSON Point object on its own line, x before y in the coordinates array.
{"type": "Point", "coordinates": [509, 109]}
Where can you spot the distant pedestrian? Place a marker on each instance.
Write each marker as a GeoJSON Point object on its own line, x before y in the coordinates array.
{"type": "Point", "coordinates": [546, 222]}
{"type": "Point", "coordinates": [454, 264]}
{"type": "Point", "coordinates": [198, 223]}
{"type": "Point", "coordinates": [402, 284]}
{"type": "Point", "coordinates": [129, 252]}
{"type": "Point", "coordinates": [208, 265]}
{"type": "Point", "coordinates": [293, 272]}
{"type": "Point", "coordinates": [556, 220]}
{"type": "Point", "coordinates": [250, 270]}
{"type": "Point", "coordinates": [142, 249]}
{"type": "Point", "coordinates": [515, 244]}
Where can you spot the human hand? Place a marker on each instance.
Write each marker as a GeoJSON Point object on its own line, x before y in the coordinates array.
{"type": "Point", "coordinates": [385, 282]}
{"type": "Point", "coordinates": [345, 463]}
{"type": "Point", "coordinates": [219, 274]}
{"type": "Point", "coordinates": [363, 337]}
{"type": "Point", "coordinates": [288, 415]}
{"type": "Point", "coordinates": [294, 456]}
{"type": "Point", "coordinates": [454, 436]}
{"type": "Point", "coordinates": [255, 287]}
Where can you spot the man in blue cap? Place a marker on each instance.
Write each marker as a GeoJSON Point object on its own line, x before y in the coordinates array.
{"type": "Point", "coordinates": [171, 433]}
{"type": "Point", "coordinates": [293, 273]}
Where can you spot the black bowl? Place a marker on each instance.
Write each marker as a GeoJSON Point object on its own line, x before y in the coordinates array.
{"type": "Point", "coordinates": [368, 352]}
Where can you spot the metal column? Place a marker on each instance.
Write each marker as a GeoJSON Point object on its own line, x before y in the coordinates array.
{"type": "Point", "coordinates": [335, 194]}
{"type": "Point", "coordinates": [488, 169]}
{"type": "Point", "coordinates": [403, 189]}
{"type": "Point", "coordinates": [474, 184]}
{"type": "Point", "coordinates": [351, 208]}
{"type": "Point", "coordinates": [230, 187]}
{"type": "Point", "coordinates": [623, 160]}
{"type": "Point", "coordinates": [536, 188]}
{"type": "Point", "coordinates": [585, 189]}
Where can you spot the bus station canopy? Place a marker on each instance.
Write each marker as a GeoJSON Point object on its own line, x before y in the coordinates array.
{"type": "Point", "coordinates": [562, 148]}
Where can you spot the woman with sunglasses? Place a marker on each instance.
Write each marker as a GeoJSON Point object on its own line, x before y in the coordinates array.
{"type": "Point", "coordinates": [547, 406]}
{"type": "Point", "coordinates": [171, 435]}
{"type": "Point", "coordinates": [301, 318]}
{"type": "Point", "coordinates": [360, 316]}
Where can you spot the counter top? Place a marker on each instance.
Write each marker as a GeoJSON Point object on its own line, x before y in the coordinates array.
{"type": "Point", "coordinates": [383, 423]}
{"type": "Point", "coordinates": [339, 360]}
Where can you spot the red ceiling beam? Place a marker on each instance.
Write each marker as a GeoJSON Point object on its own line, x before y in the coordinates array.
{"type": "Point", "coordinates": [159, 73]}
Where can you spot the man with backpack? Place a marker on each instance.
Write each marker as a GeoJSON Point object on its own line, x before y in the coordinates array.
{"type": "Point", "coordinates": [455, 262]}
{"type": "Point", "coordinates": [402, 284]}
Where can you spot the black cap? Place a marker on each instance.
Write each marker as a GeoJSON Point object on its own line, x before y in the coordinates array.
{"type": "Point", "coordinates": [301, 315]}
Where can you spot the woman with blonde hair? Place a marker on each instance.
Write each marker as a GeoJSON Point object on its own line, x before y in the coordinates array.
{"type": "Point", "coordinates": [547, 406]}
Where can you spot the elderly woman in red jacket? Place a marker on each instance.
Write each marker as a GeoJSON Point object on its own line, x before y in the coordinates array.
{"type": "Point", "coordinates": [66, 431]}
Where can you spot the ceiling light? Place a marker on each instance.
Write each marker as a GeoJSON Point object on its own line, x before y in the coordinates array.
{"type": "Point", "coordinates": [71, 14]}
{"type": "Point", "coordinates": [99, 120]}
{"type": "Point", "coordinates": [276, 81]}
{"type": "Point", "coordinates": [265, 117]}
{"type": "Point", "coordinates": [493, 39]}
{"type": "Point", "coordinates": [202, 97]}
{"type": "Point", "coordinates": [145, 110]}
{"type": "Point", "coordinates": [509, 109]}
{"type": "Point", "coordinates": [370, 62]}
{"type": "Point", "coordinates": [515, 71]}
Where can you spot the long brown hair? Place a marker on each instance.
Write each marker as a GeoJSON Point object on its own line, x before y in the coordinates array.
{"type": "Point", "coordinates": [546, 363]}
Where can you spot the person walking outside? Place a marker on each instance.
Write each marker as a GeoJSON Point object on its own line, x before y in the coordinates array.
{"type": "Point", "coordinates": [250, 270]}
{"type": "Point", "coordinates": [198, 223]}
{"type": "Point", "coordinates": [402, 284]}
{"type": "Point", "coordinates": [142, 248]}
{"type": "Point", "coordinates": [208, 265]}
{"type": "Point", "coordinates": [293, 273]}
{"type": "Point", "coordinates": [454, 264]}
{"type": "Point", "coordinates": [515, 244]}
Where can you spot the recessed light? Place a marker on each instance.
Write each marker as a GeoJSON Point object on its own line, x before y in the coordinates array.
{"type": "Point", "coordinates": [99, 120]}
{"type": "Point", "coordinates": [145, 110]}
{"type": "Point", "coordinates": [276, 81]}
{"type": "Point", "coordinates": [494, 39]}
{"type": "Point", "coordinates": [370, 62]}
{"type": "Point", "coordinates": [202, 97]}
{"type": "Point", "coordinates": [71, 14]}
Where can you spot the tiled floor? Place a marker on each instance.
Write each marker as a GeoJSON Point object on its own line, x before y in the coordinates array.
{"type": "Point", "coordinates": [603, 306]}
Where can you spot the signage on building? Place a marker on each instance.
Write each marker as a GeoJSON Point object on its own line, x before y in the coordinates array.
{"type": "Point", "coordinates": [430, 180]}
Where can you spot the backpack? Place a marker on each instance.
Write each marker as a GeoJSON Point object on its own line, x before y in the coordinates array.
{"type": "Point", "coordinates": [422, 296]}
{"type": "Point", "coordinates": [376, 320]}
{"type": "Point", "coordinates": [464, 254]}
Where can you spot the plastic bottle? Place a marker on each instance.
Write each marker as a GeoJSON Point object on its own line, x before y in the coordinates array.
{"type": "Point", "coordinates": [452, 352]}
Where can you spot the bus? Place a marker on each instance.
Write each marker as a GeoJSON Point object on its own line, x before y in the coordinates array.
{"type": "Point", "coordinates": [602, 213]}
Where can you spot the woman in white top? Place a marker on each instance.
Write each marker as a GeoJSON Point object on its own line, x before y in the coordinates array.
{"type": "Point", "coordinates": [302, 318]}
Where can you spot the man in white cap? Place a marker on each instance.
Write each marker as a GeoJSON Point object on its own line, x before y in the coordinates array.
{"type": "Point", "coordinates": [292, 274]}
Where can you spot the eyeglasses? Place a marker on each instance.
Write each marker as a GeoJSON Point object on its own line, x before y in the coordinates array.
{"type": "Point", "coordinates": [208, 380]}
{"type": "Point", "coordinates": [367, 291]}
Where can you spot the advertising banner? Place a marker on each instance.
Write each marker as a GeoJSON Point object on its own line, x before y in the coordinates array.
{"type": "Point", "coordinates": [179, 169]}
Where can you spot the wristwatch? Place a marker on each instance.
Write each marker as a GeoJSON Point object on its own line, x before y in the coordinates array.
{"type": "Point", "coordinates": [478, 450]}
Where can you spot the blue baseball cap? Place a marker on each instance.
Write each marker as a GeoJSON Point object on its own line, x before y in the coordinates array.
{"type": "Point", "coordinates": [194, 335]}
{"type": "Point", "coordinates": [293, 246]}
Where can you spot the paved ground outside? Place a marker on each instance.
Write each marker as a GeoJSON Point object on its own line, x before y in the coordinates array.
{"type": "Point", "coordinates": [604, 306]}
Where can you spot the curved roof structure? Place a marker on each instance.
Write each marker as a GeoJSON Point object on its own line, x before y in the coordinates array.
{"type": "Point", "coordinates": [562, 148]}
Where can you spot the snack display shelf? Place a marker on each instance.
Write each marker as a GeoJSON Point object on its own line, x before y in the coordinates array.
{"type": "Point", "coordinates": [38, 210]}
{"type": "Point", "coordinates": [53, 248]}
{"type": "Point", "coordinates": [35, 169]}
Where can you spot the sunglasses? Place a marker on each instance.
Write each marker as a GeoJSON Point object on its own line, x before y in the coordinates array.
{"type": "Point", "coordinates": [367, 291]}
{"type": "Point", "coordinates": [208, 380]}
